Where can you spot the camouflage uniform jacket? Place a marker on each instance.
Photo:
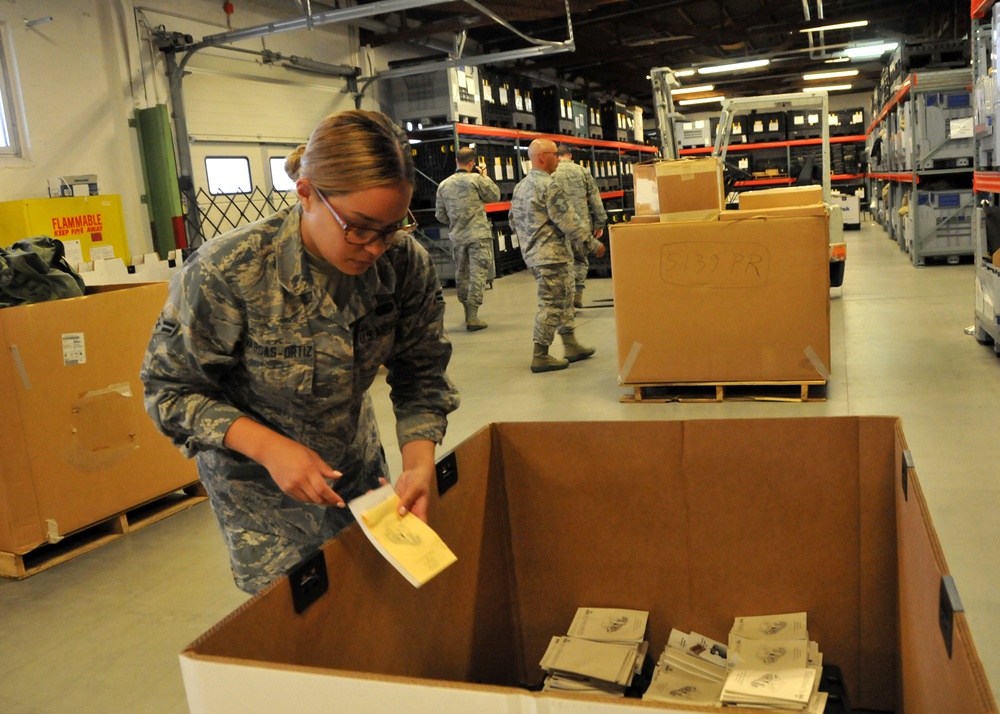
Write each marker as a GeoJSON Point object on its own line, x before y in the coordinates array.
{"type": "Point", "coordinates": [582, 192]}
{"type": "Point", "coordinates": [544, 221]}
{"type": "Point", "coordinates": [246, 332]}
{"type": "Point", "coordinates": [460, 204]}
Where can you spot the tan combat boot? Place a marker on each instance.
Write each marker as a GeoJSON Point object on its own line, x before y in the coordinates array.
{"type": "Point", "coordinates": [574, 351]}
{"type": "Point", "coordinates": [542, 361]}
{"type": "Point", "coordinates": [578, 300]}
{"type": "Point", "coordinates": [472, 321]}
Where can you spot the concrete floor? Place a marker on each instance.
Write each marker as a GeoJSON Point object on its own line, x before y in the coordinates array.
{"type": "Point", "coordinates": [101, 633]}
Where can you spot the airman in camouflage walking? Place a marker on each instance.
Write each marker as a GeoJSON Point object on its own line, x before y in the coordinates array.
{"type": "Point", "coordinates": [260, 363]}
{"type": "Point", "coordinates": [546, 226]}
{"type": "Point", "coordinates": [582, 192]}
{"type": "Point", "coordinates": [461, 201]}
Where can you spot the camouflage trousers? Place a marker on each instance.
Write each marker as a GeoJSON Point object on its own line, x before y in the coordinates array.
{"type": "Point", "coordinates": [555, 301]}
{"type": "Point", "coordinates": [472, 268]}
{"type": "Point", "coordinates": [581, 266]}
{"type": "Point", "coordinates": [268, 532]}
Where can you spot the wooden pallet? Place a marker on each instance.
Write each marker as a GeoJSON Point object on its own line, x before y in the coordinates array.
{"type": "Point", "coordinates": [19, 566]}
{"type": "Point", "coordinates": [812, 391]}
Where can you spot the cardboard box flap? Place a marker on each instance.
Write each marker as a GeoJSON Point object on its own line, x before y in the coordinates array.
{"type": "Point", "coordinates": [393, 628]}
{"type": "Point", "coordinates": [934, 679]}
{"type": "Point", "coordinates": [560, 522]}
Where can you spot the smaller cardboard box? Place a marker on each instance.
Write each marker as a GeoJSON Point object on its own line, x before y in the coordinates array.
{"type": "Point", "coordinates": [695, 522]}
{"type": "Point", "coordinates": [78, 446]}
{"type": "Point", "coordinates": [679, 190]}
{"type": "Point", "coordinates": [781, 197]}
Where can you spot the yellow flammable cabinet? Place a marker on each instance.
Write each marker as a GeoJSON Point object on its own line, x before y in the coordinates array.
{"type": "Point", "coordinates": [91, 227]}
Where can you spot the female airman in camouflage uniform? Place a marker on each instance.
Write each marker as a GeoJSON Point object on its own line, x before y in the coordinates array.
{"type": "Point", "coordinates": [260, 364]}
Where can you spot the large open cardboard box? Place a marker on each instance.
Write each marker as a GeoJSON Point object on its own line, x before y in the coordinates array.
{"type": "Point", "coordinates": [723, 301]}
{"type": "Point", "coordinates": [696, 522]}
{"type": "Point", "coordinates": [77, 444]}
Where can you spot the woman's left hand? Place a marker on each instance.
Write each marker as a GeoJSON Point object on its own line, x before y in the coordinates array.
{"type": "Point", "coordinates": [414, 485]}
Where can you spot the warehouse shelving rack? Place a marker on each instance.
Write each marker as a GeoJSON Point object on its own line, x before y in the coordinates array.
{"type": "Point", "coordinates": [933, 181]}
{"type": "Point", "coordinates": [986, 175]}
{"type": "Point", "coordinates": [785, 179]}
{"type": "Point", "coordinates": [504, 152]}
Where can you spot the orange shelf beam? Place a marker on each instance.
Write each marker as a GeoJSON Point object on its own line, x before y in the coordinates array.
{"type": "Point", "coordinates": [774, 144]}
{"type": "Point", "coordinates": [897, 98]}
{"type": "Point", "coordinates": [766, 182]}
{"type": "Point", "coordinates": [980, 8]}
{"type": "Point", "coordinates": [502, 133]}
{"type": "Point", "coordinates": [986, 181]}
{"type": "Point", "coordinates": [505, 205]}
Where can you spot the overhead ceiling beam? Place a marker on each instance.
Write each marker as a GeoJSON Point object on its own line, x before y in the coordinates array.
{"type": "Point", "coordinates": [309, 21]}
{"type": "Point", "coordinates": [426, 30]}
{"type": "Point", "coordinates": [492, 58]}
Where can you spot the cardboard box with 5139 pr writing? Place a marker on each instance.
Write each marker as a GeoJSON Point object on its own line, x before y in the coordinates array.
{"type": "Point", "coordinates": [722, 301]}
{"type": "Point", "coordinates": [696, 522]}
{"type": "Point", "coordinates": [679, 190]}
{"type": "Point", "coordinates": [77, 444]}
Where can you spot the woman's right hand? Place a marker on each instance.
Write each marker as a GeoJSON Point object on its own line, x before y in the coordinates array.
{"type": "Point", "coordinates": [297, 470]}
{"type": "Point", "coordinates": [301, 473]}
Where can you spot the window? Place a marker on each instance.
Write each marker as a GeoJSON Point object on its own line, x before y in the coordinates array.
{"type": "Point", "coordinates": [228, 174]}
{"type": "Point", "coordinates": [280, 181]}
{"type": "Point", "coordinates": [10, 143]}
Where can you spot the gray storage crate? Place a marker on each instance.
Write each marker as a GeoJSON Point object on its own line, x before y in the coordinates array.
{"type": "Point", "coordinates": [941, 225]}
{"type": "Point", "coordinates": [945, 136]}
{"type": "Point", "coordinates": [434, 98]}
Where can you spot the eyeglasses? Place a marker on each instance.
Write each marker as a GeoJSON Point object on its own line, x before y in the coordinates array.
{"type": "Point", "coordinates": [356, 235]}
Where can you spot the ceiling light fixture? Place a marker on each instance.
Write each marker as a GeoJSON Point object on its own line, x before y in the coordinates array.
{"type": "Point", "coordinates": [684, 73]}
{"type": "Point", "coordinates": [830, 75]}
{"type": "Point", "coordinates": [870, 51]}
{"type": "Point", "coordinates": [733, 67]}
{"type": "Point", "coordinates": [837, 59]}
{"type": "Point", "coordinates": [828, 88]}
{"type": "Point", "coordinates": [838, 26]}
{"type": "Point", "coordinates": [702, 100]}
{"type": "Point", "coordinates": [693, 90]}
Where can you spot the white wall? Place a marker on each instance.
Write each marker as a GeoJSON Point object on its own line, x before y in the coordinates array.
{"type": "Point", "coordinates": [70, 80]}
{"type": "Point", "coordinates": [79, 78]}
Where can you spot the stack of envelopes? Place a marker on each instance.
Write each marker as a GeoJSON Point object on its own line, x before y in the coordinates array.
{"type": "Point", "coordinates": [691, 670]}
{"type": "Point", "coordinates": [602, 651]}
{"type": "Point", "coordinates": [773, 664]}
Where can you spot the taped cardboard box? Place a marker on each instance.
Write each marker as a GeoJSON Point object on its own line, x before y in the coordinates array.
{"type": "Point", "coordinates": [722, 301]}
{"type": "Point", "coordinates": [679, 190]}
{"type": "Point", "coordinates": [813, 209]}
{"type": "Point", "coordinates": [781, 197]}
{"type": "Point", "coordinates": [77, 444]}
{"type": "Point", "coordinates": [677, 518]}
